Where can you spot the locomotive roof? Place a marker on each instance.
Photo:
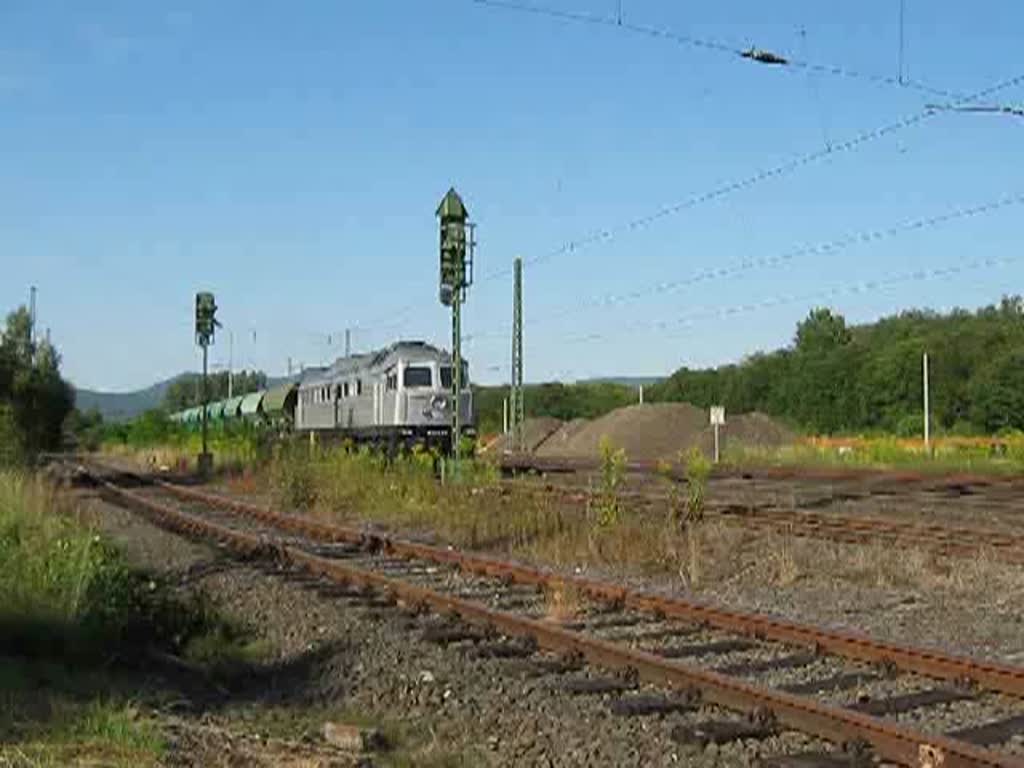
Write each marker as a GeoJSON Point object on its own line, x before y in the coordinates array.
{"type": "Point", "coordinates": [417, 350]}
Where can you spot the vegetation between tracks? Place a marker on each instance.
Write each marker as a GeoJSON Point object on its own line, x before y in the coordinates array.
{"type": "Point", "coordinates": [77, 628]}
{"type": "Point", "coordinates": [681, 544]}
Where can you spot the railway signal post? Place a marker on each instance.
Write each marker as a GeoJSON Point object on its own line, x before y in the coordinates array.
{"type": "Point", "coordinates": [206, 322]}
{"type": "Point", "coordinates": [518, 407]}
{"type": "Point", "coordinates": [457, 246]}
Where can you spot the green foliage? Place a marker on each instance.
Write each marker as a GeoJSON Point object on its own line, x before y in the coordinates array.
{"type": "Point", "coordinates": [186, 391]}
{"type": "Point", "coordinates": [562, 401]}
{"type": "Point", "coordinates": [612, 473]}
{"type": "Point", "coordinates": [835, 378]}
{"type": "Point", "coordinates": [86, 428]}
{"type": "Point", "coordinates": [34, 398]}
{"type": "Point", "coordinates": [293, 477]}
{"type": "Point", "coordinates": [67, 593]}
{"type": "Point", "coordinates": [698, 470]}
{"type": "Point", "coordinates": [72, 612]}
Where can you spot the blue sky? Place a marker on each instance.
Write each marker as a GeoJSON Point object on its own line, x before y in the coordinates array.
{"type": "Point", "coordinates": [289, 157]}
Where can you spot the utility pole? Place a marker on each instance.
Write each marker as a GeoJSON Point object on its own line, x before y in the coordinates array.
{"type": "Point", "coordinates": [927, 420]}
{"type": "Point", "coordinates": [458, 245]}
{"type": "Point", "coordinates": [32, 316]}
{"type": "Point", "coordinates": [518, 407]}
{"type": "Point", "coordinates": [902, 17]}
{"type": "Point", "coordinates": [348, 342]}
{"type": "Point", "coordinates": [231, 363]}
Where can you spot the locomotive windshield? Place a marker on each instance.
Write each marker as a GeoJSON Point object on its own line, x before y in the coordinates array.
{"type": "Point", "coordinates": [417, 376]}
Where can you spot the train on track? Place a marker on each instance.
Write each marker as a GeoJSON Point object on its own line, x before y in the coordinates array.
{"type": "Point", "coordinates": [398, 396]}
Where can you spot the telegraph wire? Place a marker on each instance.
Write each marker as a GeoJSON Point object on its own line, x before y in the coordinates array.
{"type": "Point", "coordinates": [687, 321]}
{"type": "Point", "coordinates": [783, 169]}
{"type": "Point", "coordinates": [712, 45]}
{"type": "Point", "coordinates": [737, 268]}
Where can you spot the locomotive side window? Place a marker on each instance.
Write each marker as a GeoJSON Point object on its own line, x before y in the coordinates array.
{"type": "Point", "coordinates": [446, 376]}
{"type": "Point", "coordinates": [344, 389]}
{"type": "Point", "coordinates": [359, 386]}
{"type": "Point", "coordinates": [417, 376]}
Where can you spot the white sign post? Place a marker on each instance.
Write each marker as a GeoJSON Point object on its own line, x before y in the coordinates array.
{"type": "Point", "coordinates": [717, 420]}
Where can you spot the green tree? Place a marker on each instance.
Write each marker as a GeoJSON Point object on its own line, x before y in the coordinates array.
{"type": "Point", "coordinates": [186, 391]}
{"type": "Point", "coordinates": [35, 398]}
{"type": "Point", "coordinates": [835, 377]}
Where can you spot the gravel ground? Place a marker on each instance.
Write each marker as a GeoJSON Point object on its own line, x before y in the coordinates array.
{"type": "Point", "coordinates": [340, 653]}
{"type": "Point", "coordinates": [960, 605]}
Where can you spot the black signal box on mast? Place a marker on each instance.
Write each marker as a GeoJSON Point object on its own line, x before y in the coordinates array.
{"type": "Point", "coordinates": [206, 323]}
{"type": "Point", "coordinates": [457, 246]}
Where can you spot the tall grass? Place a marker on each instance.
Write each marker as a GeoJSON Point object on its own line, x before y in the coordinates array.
{"type": "Point", "coordinates": [998, 456]}
{"type": "Point", "coordinates": [75, 621]}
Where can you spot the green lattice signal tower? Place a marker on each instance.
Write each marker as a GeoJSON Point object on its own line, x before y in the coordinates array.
{"type": "Point", "coordinates": [458, 244]}
{"type": "Point", "coordinates": [516, 401]}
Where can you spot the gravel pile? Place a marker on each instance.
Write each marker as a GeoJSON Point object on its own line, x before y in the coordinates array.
{"type": "Point", "coordinates": [660, 431]}
{"type": "Point", "coordinates": [535, 432]}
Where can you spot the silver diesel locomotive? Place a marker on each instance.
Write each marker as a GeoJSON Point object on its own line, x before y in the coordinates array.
{"type": "Point", "coordinates": [401, 394]}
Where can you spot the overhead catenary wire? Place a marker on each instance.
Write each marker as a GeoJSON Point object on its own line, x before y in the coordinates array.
{"type": "Point", "coordinates": [782, 169]}
{"type": "Point", "coordinates": [711, 45]}
{"type": "Point", "coordinates": [717, 313]}
{"type": "Point", "coordinates": [828, 247]}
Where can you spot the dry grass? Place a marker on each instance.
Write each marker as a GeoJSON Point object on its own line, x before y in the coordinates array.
{"type": "Point", "coordinates": [563, 602]}
{"type": "Point", "coordinates": [700, 555]}
{"type": "Point", "coordinates": [787, 568]}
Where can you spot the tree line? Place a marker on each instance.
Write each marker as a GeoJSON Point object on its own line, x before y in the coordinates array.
{"type": "Point", "coordinates": [187, 391]}
{"type": "Point", "coordinates": [840, 378]}
{"type": "Point", "coordinates": [34, 399]}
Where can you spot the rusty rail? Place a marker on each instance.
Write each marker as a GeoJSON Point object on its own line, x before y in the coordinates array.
{"type": "Point", "coordinates": [886, 477]}
{"type": "Point", "coordinates": [932, 663]}
{"type": "Point", "coordinates": [891, 742]}
{"type": "Point", "coordinates": [953, 540]}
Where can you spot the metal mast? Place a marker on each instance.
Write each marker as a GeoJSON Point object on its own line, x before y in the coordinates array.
{"type": "Point", "coordinates": [457, 247]}
{"type": "Point", "coordinates": [516, 401]}
{"type": "Point", "coordinates": [206, 321]}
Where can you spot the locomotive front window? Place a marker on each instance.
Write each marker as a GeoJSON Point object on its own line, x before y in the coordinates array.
{"type": "Point", "coordinates": [417, 376]}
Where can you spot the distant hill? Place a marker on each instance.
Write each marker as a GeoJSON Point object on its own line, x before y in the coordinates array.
{"type": "Point", "coordinates": [124, 406]}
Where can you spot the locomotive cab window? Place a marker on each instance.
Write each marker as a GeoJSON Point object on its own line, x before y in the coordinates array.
{"type": "Point", "coordinates": [417, 376]}
{"type": "Point", "coordinates": [446, 376]}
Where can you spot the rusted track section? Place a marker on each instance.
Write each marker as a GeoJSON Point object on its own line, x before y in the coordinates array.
{"type": "Point", "coordinates": [933, 663]}
{"type": "Point", "coordinates": [891, 742]}
{"type": "Point", "coordinates": [955, 540]}
{"type": "Point", "coordinates": [881, 477]}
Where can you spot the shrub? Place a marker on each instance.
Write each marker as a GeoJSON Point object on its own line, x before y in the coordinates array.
{"type": "Point", "coordinates": [698, 470]}
{"type": "Point", "coordinates": [613, 470]}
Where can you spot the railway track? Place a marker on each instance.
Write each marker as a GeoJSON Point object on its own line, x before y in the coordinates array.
{"type": "Point", "coordinates": [875, 477]}
{"type": "Point", "coordinates": [738, 675]}
{"type": "Point", "coordinates": [941, 538]}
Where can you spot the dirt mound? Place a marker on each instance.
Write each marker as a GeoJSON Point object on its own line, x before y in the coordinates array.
{"type": "Point", "coordinates": [659, 431]}
{"type": "Point", "coordinates": [653, 431]}
{"type": "Point", "coordinates": [556, 442]}
{"type": "Point", "coordinates": [535, 432]}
